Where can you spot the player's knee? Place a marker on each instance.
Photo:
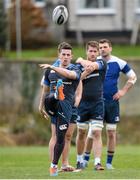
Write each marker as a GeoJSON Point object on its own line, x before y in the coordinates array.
{"type": "Point", "coordinates": [111, 134]}
{"type": "Point", "coordinates": [97, 134]}
{"type": "Point", "coordinates": [68, 137]}
{"type": "Point", "coordinates": [81, 134]}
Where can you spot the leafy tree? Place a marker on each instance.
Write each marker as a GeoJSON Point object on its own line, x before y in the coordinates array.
{"type": "Point", "coordinates": [2, 27]}
{"type": "Point", "coordinates": [33, 23]}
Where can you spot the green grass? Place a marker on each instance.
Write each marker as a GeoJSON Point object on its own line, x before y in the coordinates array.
{"type": "Point", "coordinates": [33, 163]}
{"type": "Point", "coordinates": [123, 51]}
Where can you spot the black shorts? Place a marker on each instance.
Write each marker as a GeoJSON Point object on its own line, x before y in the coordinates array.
{"type": "Point", "coordinates": [89, 110]}
{"type": "Point", "coordinates": [112, 112]}
{"type": "Point", "coordinates": [73, 117]}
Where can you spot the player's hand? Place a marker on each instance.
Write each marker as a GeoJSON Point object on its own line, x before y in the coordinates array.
{"type": "Point", "coordinates": [43, 113]}
{"type": "Point", "coordinates": [89, 69]}
{"type": "Point", "coordinates": [44, 66]}
{"type": "Point", "coordinates": [118, 95]}
{"type": "Point", "coordinates": [79, 60]}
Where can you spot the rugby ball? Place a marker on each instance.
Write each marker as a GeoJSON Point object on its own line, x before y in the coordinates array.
{"type": "Point", "coordinates": [60, 15]}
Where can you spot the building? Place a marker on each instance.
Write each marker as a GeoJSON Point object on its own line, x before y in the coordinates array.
{"type": "Point", "coordinates": [118, 19]}
{"type": "Point", "coordinates": [115, 18]}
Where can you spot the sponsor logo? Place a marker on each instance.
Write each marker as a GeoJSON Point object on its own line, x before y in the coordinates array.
{"type": "Point", "coordinates": [67, 82]}
{"type": "Point", "coordinates": [52, 113]}
{"type": "Point", "coordinates": [92, 75]}
{"type": "Point", "coordinates": [117, 119]}
{"type": "Point", "coordinates": [99, 117]}
{"type": "Point", "coordinates": [63, 127]}
{"type": "Point", "coordinates": [62, 114]}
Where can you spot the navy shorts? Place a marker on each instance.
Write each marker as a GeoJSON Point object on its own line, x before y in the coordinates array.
{"type": "Point", "coordinates": [73, 117]}
{"type": "Point", "coordinates": [89, 110]}
{"type": "Point", "coordinates": [112, 113]}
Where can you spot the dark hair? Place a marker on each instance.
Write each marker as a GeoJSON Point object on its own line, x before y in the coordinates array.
{"type": "Point", "coordinates": [92, 44]}
{"type": "Point", "coordinates": [101, 41]}
{"type": "Point", "coordinates": [64, 45]}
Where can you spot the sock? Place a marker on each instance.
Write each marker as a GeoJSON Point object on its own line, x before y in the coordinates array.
{"type": "Point", "coordinates": [97, 161]}
{"type": "Point", "coordinates": [86, 156]}
{"type": "Point", "coordinates": [80, 158]}
{"type": "Point", "coordinates": [53, 165]}
{"type": "Point", "coordinates": [110, 157]}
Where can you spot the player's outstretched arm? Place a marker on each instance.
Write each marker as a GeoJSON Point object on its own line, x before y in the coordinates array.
{"type": "Point", "coordinates": [88, 64]}
{"type": "Point", "coordinates": [62, 71]}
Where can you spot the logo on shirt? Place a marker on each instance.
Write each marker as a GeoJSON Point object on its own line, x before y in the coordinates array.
{"type": "Point", "coordinates": [63, 127]}
{"type": "Point", "coordinates": [92, 75]}
{"type": "Point", "coordinates": [117, 118]}
{"type": "Point", "coordinates": [99, 117]}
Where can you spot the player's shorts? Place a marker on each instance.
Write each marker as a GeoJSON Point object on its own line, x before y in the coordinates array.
{"type": "Point", "coordinates": [112, 114]}
{"type": "Point", "coordinates": [73, 119]}
{"type": "Point", "coordinates": [74, 115]}
{"type": "Point", "coordinates": [89, 110]}
{"type": "Point", "coordinates": [51, 105]}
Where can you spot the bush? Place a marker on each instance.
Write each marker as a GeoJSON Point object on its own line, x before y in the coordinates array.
{"type": "Point", "coordinates": [2, 27]}
{"type": "Point", "coordinates": [33, 24]}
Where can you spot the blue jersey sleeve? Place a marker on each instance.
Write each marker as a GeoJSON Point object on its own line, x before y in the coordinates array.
{"type": "Point", "coordinates": [126, 69]}
{"type": "Point", "coordinates": [46, 79]}
{"type": "Point", "coordinates": [102, 64]}
{"type": "Point", "coordinates": [77, 69]}
{"type": "Point", "coordinates": [57, 63]}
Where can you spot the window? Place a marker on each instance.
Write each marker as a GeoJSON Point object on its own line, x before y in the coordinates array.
{"type": "Point", "coordinates": [7, 4]}
{"type": "Point", "coordinates": [39, 3]}
{"type": "Point", "coordinates": [137, 6]}
{"type": "Point", "coordinates": [96, 6]}
{"type": "Point", "coordinates": [97, 3]}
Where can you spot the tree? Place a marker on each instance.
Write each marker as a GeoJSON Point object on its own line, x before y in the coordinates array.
{"type": "Point", "coordinates": [32, 22]}
{"type": "Point", "coordinates": [2, 27]}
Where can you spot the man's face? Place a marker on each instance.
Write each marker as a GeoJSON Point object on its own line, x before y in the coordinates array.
{"type": "Point", "coordinates": [65, 56]}
{"type": "Point", "coordinates": [92, 53]}
{"type": "Point", "coordinates": [104, 49]}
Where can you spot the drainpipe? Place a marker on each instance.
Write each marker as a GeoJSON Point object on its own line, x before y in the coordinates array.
{"type": "Point", "coordinates": [123, 15]}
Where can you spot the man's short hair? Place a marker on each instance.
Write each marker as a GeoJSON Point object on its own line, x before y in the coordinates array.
{"type": "Point", "coordinates": [64, 45]}
{"type": "Point", "coordinates": [102, 41]}
{"type": "Point", "coordinates": [94, 44]}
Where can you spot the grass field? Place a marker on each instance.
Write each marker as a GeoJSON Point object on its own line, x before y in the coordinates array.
{"type": "Point", "coordinates": [123, 51]}
{"type": "Point", "coordinates": [33, 163]}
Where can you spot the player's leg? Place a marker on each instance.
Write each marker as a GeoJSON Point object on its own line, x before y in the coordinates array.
{"type": "Point", "coordinates": [52, 141]}
{"type": "Point", "coordinates": [96, 133]}
{"type": "Point", "coordinates": [88, 148]}
{"type": "Point", "coordinates": [111, 144]}
{"type": "Point", "coordinates": [65, 154]}
{"type": "Point", "coordinates": [82, 128]}
{"type": "Point", "coordinates": [80, 143]}
{"type": "Point", "coordinates": [61, 129]}
{"type": "Point", "coordinates": [96, 125]}
{"type": "Point", "coordinates": [112, 118]}
{"type": "Point", "coordinates": [62, 124]}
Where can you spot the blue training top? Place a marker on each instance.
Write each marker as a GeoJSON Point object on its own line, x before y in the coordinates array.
{"type": "Point", "coordinates": [70, 85]}
{"type": "Point", "coordinates": [114, 67]}
{"type": "Point", "coordinates": [93, 83]}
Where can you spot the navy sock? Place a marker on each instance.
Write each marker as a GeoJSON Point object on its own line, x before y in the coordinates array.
{"type": "Point", "coordinates": [110, 157]}
{"type": "Point", "coordinates": [87, 156]}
